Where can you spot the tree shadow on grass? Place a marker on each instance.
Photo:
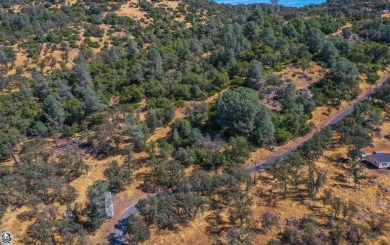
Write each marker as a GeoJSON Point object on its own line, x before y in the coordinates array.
{"type": "Point", "coordinates": [318, 210]}
{"type": "Point", "coordinates": [340, 178]}
{"type": "Point", "coordinates": [147, 183]}
{"type": "Point", "coordinates": [345, 186]}
{"type": "Point", "coordinates": [216, 224]}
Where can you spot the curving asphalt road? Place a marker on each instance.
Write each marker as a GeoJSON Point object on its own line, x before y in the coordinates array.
{"type": "Point", "coordinates": [118, 238]}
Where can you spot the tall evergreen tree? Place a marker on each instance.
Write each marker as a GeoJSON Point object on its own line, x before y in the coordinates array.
{"type": "Point", "coordinates": [155, 62]}
{"type": "Point", "coordinates": [54, 113]}
{"type": "Point", "coordinates": [255, 77]}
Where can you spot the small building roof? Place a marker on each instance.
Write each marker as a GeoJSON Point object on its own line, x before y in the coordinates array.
{"type": "Point", "coordinates": [109, 205]}
{"type": "Point", "coordinates": [383, 157]}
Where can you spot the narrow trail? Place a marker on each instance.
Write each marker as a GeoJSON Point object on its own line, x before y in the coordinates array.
{"type": "Point", "coordinates": [259, 164]}
{"type": "Point", "coordinates": [340, 30]}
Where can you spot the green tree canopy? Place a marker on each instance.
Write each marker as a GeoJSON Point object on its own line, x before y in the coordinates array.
{"type": "Point", "coordinates": [237, 109]}
{"type": "Point", "coordinates": [383, 93]}
{"type": "Point", "coordinates": [344, 71]}
{"type": "Point", "coordinates": [54, 113]}
{"type": "Point", "coordinates": [240, 111]}
{"type": "Point", "coordinates": [96, 208]}
{"type": "Point", "coordinates": [255, 77]}
{"type": "Point", "coordinates": [137, 231]}
{"type": "Point", "coordinates": [314, 39]}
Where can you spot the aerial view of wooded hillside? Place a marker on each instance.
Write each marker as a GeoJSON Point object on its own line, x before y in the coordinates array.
{"type": "Point", "coordinates": [194, 122]}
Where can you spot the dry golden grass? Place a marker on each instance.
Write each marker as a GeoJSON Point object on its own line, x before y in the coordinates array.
{"type": "Point", "coordinates": [164, 131]}
{"type": "Point", "coordinates": [340, 31]}
{"type": "Point", "coordinates": [379, 141]}
{"type": "Point", "coordinates": [21, 59]}
{"type": "Point", "coordinates": [11, 91]}
{"type": "Point", "coordinates": [207, 54]}
{"type": "Point", "coordinates": [170, 4]}
{"type": "Point", "coordinates": [121, 202]}
{"type": "Point", "coordinates": [11, 223]}
{"type": "Point", "coordinates": [16, 8]}
{"type": "Point", "coordinates": [301, 80]}
{"type": "Point", "coordinates": [194, 234]}
{"type": "Point", "coordinates": [18, 228]}
{"type": "Point", "coordinates": [54, 59]}
{"type": "Point", "coordinates": [321, 116]}
{"type": "Point", "coordinates": [95, 173]}
{"type": "Point", "coordinates": [71, 2]}
{"type": "Point", "coordinates": [368, 198]}
{"type": "Point", "coordinates": [129, 9]}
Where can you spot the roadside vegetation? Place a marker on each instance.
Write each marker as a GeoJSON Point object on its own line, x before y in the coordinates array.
{"type": "Point", "coordinates": [174, 98]}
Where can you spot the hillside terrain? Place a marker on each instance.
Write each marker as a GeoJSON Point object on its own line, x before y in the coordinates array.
{"type": "Point", "coordinates": [306, 217]}
{"type": "Point", "coordinates": [168, 103]}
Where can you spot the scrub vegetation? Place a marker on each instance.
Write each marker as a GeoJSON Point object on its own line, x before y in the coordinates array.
{"type": "Point", "coordinates": [171, 99]}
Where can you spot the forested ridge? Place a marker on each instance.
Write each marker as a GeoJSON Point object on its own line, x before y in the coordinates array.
{"type": "Point", "coordinates": [87, 87]}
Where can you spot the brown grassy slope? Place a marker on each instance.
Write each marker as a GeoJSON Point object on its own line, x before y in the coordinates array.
{"type": "Point", "coordinates": [131, 193]}
{"type": "Point", "coordinates": [258, 156]}
{"type": "Point", "coordinates": [370, 200]}
{"type": "Point", "coordinates": [301, 80]}
{"type": "Point", "coordinates": [96, 172]}
{"type": "Point", "coordinates": [54, 58]}
{"type": "Point", "coordinates": [321, 116]}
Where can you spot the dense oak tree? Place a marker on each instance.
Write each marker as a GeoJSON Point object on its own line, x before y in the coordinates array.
{"type": "Point", "coordinates": [118, 176]}
{"type": "Point", "coordinates": [314, 39]}
{"type": "Point", "coordinates": [54, 113]}
{"type": "Point", "coordinates": [137, 131]}
{"type": "Point", "coordinates": [96, 207]}
{"type": "Point", "coordinates": [383, 93]}
{"type": "Point", "coordinates": [344, 72]}
{"type": "Point", "coordinates": [240, 110]}
{"type": "Point", "coordinates": [166, 66]}
{"type": "Point", "coordinates": [328, 53]}
{"type": "Point", "coordinates": [255, 76]}
{"type": "Point", "coordinates": [137, 231]}
{"type": "Point", "coordinates": [169, 210]}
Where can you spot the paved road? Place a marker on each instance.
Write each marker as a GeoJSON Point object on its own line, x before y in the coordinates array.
{"type": "Point", "coordinates": [119, 227]}
{"type": "Point", "coordinates": [118, 238]}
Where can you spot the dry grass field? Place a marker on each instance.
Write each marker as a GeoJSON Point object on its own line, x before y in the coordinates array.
{"type": "Point", "coordinates": [300, 79]}
{"type": "Point", "coordinates": [53, 58]}
{"type": "Point", "coordinates": [321, 116]}
{"type": "Point", "coordinates": [196, 232]}
{"type": "Point", "coordinates": [369, 198]}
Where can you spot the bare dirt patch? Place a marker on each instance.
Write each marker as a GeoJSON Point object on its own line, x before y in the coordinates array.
{"type": "Point", "coordinates": [340, 31]}
{"type": "Point", "coordinates": [130, 9]}
{"type": "Point", "coordinates": [299, 78]}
